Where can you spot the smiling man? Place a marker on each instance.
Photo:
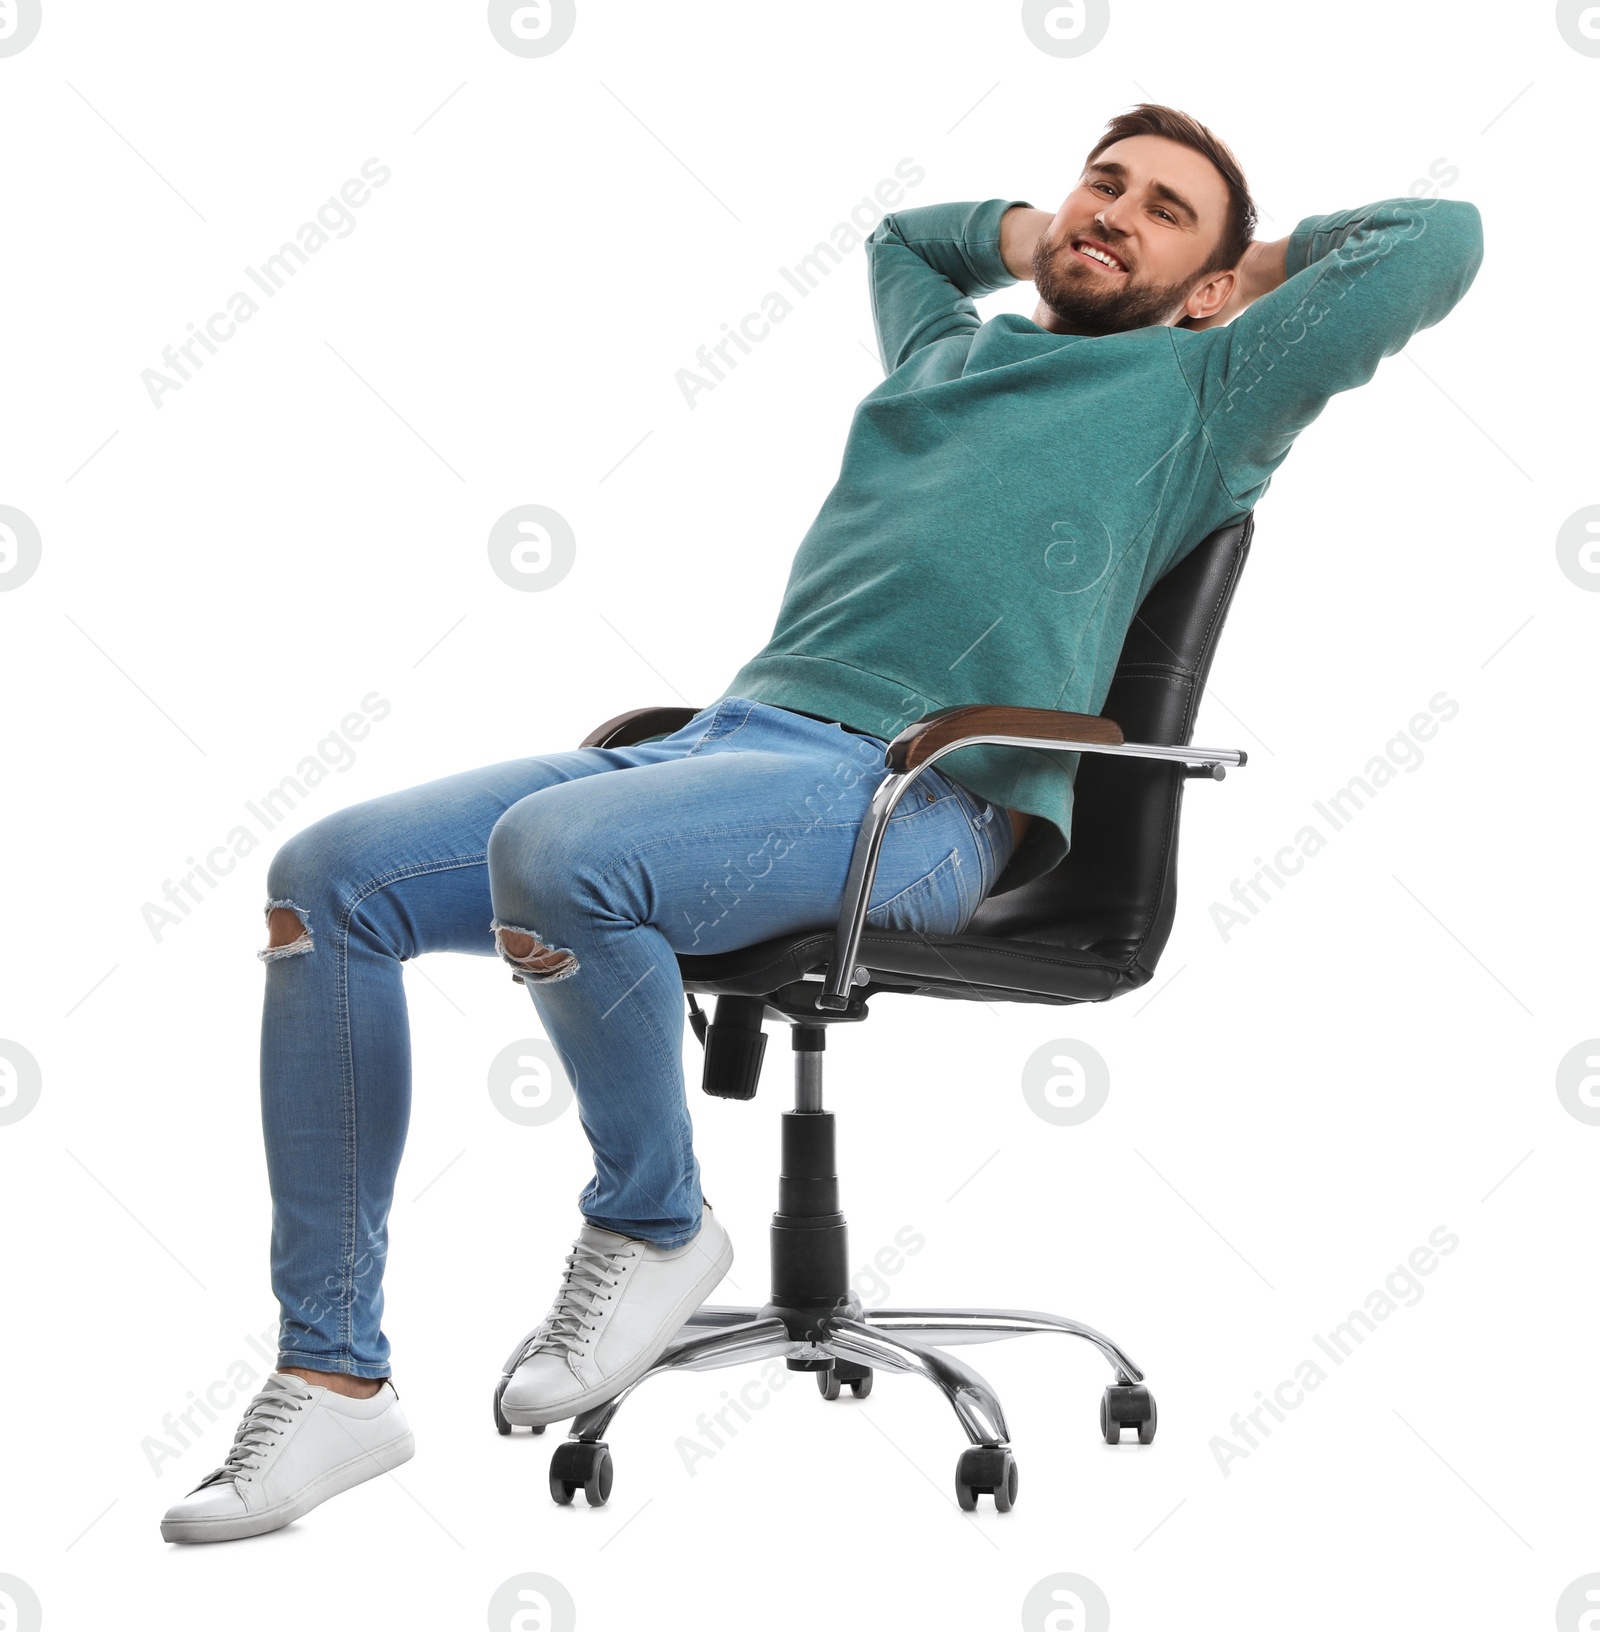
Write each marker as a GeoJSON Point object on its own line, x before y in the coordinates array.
{"type": "Point", "coordinates": [1007, 496]}
{"type": "Point", "coordinates": [1014, 487]}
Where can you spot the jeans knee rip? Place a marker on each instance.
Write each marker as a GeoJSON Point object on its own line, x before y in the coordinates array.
{"type": "Point", "coordinates": [296, 948]}
{"type": "Point", "coordinates": [539, 964]}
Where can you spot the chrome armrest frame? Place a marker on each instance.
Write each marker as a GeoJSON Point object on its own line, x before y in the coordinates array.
{"type": "Point", "coordinates": [842, 972]}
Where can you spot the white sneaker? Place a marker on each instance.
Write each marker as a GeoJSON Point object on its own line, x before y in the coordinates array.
{"type": "Point", "coordinates": [621, 1302]}
{"type": "Point", "coordinates": [297, 1445]}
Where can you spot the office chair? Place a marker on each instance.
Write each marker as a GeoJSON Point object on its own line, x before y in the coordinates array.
{"type": "Point", "coordinates": [1089, 930]}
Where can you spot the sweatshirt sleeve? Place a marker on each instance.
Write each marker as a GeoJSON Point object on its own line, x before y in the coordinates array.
{"type": "Point", "coordinates": [1360, 284]}
{"type": "Point", "coordinates": [923, 268]}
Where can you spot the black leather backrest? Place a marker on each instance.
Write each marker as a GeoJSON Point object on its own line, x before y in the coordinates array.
{"type": "Point", "coordinates": [1113, 895]}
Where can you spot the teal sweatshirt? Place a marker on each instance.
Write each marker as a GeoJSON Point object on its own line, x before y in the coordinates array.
{"type": "Point", "coordinates": [1008, 495]}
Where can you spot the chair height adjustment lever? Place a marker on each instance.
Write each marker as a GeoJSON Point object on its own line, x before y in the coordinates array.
{"type": "Point", "coordinates": [735, 1044]}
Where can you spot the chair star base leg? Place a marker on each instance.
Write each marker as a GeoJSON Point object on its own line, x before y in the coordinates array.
{"type": "Point", "coordinates": [846, 1348]}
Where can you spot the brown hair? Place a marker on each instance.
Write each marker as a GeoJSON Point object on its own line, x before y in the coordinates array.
{"type": "Point", "coordinates": [1151, 119]}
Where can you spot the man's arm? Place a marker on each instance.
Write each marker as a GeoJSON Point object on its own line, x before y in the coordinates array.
{"type": "Point", "coordinates": [1341, 293]}
{"type": "Point", "coordinates": [1021, 228]}
{"type": "Point", "coordinates": [924, 266]}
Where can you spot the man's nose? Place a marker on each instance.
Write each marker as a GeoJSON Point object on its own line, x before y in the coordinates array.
{"type": "Point", "coordinates": [1112, 219]}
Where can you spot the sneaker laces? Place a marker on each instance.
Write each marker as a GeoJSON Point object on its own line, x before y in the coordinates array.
{"type": "Point", "coordinates": [265, 1418]}
{"type": "Point", "coordinates": [586, 1283]}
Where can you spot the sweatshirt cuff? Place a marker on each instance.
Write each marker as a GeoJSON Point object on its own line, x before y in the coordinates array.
{"type": "Point", "coordinates": [982, 243]}
{"type": "Point", "coordinates": [1319, 235]}
{"type": "Point", "coordinates": [1297, 257]}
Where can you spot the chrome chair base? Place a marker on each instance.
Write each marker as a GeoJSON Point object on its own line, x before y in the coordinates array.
{"type": "Point", "coordinates": [847, 1346]}
{"type": "Point", "coordinates": [816, 1323]}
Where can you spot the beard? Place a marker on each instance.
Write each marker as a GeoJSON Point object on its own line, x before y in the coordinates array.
{"type": "Point", "coordinates": [1092, 302]}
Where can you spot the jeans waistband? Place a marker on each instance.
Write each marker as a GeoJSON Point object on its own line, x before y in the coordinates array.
{"type": "Point", "coordinates": [840, 723]}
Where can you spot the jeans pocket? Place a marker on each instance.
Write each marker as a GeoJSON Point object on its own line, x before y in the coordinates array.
{"type": "Point", "coordinates": [987, 829]}
{"type": "Point", "coordinates": [941, 902]}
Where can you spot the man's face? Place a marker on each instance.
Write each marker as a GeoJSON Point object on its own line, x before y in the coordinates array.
{"type": "Point", "coordinates": [1157, 210]}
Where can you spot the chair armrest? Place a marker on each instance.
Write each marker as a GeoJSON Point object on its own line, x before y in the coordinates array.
{"type": "Point", "coordinates": [623, 730]}
{"type": "Point", "coordinates": [921, 741]}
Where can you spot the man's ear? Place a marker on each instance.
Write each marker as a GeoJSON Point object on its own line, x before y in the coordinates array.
{"type": "Point", "coordinates": [1208, 298]}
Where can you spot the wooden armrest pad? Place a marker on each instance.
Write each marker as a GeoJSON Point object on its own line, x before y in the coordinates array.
{"type": "Point", "coordinates": [936, 731]}
{"type": "Point", "coordinates": [623, 730]}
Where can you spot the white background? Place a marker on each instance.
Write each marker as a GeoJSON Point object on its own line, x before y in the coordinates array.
{"type": "Point", "coordinates": [1292, 1111]}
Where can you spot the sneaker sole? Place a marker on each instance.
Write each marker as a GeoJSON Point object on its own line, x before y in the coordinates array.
{"type": "Point", "coordinates": [354, 1472]}
{"type": "Point", "coordinates": [537, 1416]}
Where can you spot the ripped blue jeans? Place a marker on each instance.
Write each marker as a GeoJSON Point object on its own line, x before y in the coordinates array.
{"type": "Point", "coordinates": [734, 829]}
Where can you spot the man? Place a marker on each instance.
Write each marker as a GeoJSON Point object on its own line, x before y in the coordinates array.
{"type": "Point", "coordinates": [1007, 496]}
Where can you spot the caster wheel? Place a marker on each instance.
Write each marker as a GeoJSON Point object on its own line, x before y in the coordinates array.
{"type": "Point", "coordinates": [500, 1423]}
{"type": "Point", "coordinates": [1127, 1405]}
{"type": "Point", "coordinates": [841, 1371]}
{"type": "Point", "coordinates": [987, 1470]}
{"type": "Point", "coordinates": [581, 1464]}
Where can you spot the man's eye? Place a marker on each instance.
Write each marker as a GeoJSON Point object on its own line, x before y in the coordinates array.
{"type": "Point", "coordinates": [1164, 214]}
